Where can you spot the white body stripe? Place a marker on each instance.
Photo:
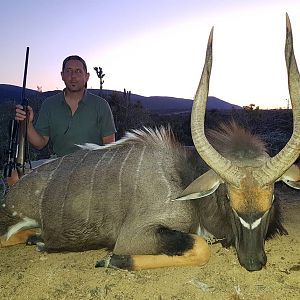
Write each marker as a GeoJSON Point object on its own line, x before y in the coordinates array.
{"type": "Point", "coordinates": [25, 224]}
{"type": "Point", "coordinates": [121, 170]}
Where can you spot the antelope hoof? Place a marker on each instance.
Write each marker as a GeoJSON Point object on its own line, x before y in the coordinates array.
{"type": "Point", "coordinates": [115, 262]}
{"type": "Point", "coordinates": [40, 246]}
{"type": "Point", "coordinates": [34, 240]}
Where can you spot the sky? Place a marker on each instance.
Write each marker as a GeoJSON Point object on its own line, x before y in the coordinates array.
{"type": "Point", "coordinates": [155, 47]}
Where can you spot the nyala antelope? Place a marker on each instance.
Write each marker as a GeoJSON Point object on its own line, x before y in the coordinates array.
{"type": "Point", "coordinates": [152, 202]}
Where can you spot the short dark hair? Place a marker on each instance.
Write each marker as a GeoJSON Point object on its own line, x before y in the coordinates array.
{"type": "Point", "coordinates": [74, 57]}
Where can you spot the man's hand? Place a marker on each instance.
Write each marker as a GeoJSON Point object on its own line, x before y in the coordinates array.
{"type": "Point", "coordinates": [21, 113]}
{"type": "Point", "coordinates": [108, 139]}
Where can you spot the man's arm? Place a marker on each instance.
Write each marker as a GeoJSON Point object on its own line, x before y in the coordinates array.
{"type": "Point", "coordinates": [106, 123]}
{"type": "Point", "coordinates": [35, 139]}
{"type": "Point", "coordinates": [108, 139]}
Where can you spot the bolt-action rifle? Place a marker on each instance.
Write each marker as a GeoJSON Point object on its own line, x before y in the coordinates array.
{"type": "Point", "coordinates": [18, 147]}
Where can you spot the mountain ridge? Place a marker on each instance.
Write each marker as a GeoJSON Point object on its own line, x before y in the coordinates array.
{"type": "Point", "coordinates": [155, 104]}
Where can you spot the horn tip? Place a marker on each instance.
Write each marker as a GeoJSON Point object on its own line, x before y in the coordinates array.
{"type": "Point", "coordinates": [210, 40]}
{"type": "Point", "coordinates": [288, 23]}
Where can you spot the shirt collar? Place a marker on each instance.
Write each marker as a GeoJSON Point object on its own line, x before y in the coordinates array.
{"type": "Point", "coordinates": [83, 99]}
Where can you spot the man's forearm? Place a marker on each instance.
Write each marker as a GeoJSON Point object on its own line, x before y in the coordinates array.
{"type": "Point", "coordinates": [35, 139]}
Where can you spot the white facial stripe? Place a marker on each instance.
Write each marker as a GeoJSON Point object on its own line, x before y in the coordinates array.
{"type": "Point", "coordinates": [255, 223]}
{"type": "Point", "coordinates": [244, 223]}
{"type": "Point", "coordinates": [250, 226]}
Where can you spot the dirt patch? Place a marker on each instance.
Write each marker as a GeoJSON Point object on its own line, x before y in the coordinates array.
{"type": "Point", "coordinates": [28, 274]}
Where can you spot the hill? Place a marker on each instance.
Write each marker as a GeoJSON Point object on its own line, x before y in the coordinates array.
{"type": "Point", "coordinates": [154, 104]}
{"type": "Point", "coordinates": [13, 93]}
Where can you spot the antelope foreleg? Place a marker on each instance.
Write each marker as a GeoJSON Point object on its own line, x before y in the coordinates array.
{"type": "Point", "coordinates": [19, 237]}
{"type": "Point", "coordinates": [198, 255]}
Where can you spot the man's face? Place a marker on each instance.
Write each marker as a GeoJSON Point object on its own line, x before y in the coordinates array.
{"type": "Point", "coordinates": [74, 76]}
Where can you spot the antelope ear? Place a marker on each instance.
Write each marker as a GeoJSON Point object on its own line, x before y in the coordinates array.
{"type": "Point", "coordinates": [203, 186]}
{"type": "Point", "coordinates": [292, 177]}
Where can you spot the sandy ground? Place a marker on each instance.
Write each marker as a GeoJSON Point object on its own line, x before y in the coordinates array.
{"type": "Point", "coordinates": [28, 274]}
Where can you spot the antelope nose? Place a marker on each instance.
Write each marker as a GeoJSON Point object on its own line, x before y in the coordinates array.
{"type": "Point", "coordinates": [255, 264]}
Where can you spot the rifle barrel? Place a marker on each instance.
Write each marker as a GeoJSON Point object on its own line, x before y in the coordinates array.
{"type": "Point", "coordinates": [23, 100]}
{"type": "Point", "coordinates": [22, 126]}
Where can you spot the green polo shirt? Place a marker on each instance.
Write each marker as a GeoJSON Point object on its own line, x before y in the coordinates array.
{"type": "Point", "coordinates": [92, 120]}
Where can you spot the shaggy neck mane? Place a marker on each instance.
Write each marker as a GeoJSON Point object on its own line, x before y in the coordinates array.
{"type": "Point", "coordinates": [163, 136]}
{"type": "Point", "coordinates": [234, 141]}
{"type": "Point", "coordinates": [151, 136]}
